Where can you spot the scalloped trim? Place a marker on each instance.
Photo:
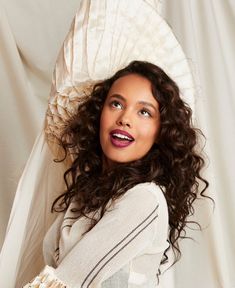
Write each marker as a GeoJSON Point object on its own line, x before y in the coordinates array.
{"type": "Point", "coordinates": [46, 279]}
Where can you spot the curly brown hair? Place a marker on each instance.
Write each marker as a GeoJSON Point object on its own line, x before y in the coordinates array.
{"type": "Point", "coordinates": [173, 162]}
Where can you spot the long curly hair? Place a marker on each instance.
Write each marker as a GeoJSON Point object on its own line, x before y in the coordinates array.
{"type": "Point", "coordinates": [173, 162]}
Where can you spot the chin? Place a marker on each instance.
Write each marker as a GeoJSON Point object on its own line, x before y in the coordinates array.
{"type": "Point", "coordinates": [121, 160]}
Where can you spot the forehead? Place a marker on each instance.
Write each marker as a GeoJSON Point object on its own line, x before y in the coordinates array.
{"type": "Point", "coordinates": [132, 84]}
{"type": "Point", "coordinates": [130, 81]}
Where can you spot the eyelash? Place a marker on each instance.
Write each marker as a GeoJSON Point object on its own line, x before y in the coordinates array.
{"type": "Point", "coordinates": [144, 110]}
{"type": "Point", "coordinates": [114, 104]}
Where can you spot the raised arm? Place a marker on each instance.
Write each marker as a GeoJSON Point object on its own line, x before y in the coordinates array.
{"type": "Point", "coordinates": [122, 234]}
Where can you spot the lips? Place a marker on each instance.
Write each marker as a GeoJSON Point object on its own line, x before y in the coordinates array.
{"type": "Point", "coordinates": [120, 138]}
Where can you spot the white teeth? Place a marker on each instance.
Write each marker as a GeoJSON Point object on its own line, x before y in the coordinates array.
{"type": "Point", "coordinates": [121, 136]}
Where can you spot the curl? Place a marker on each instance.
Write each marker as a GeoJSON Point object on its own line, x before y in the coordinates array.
{"type": "Point", "coordinates": [173, 162]}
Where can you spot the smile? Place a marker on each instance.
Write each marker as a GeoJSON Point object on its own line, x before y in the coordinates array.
{"type": "Point", "coordinates": [120, 138]}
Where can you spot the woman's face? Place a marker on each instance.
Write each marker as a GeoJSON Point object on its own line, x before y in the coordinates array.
{"type": "Point", "coordinates": [130, 120]}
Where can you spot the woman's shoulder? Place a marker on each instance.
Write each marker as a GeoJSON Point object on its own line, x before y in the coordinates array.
{"type": "Point", "coordinates": [144, 196]}
{"type": "Point", "coordinates": [148, 191]}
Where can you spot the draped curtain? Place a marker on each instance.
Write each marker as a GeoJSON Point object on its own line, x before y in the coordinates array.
{"type": "Point", "coordinates": [31, 34]}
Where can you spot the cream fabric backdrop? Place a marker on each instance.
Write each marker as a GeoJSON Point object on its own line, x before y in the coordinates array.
{"type": "Point", "coordinates": [31, 33]}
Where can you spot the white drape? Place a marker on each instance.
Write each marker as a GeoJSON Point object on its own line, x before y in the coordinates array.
{"type": "Point", "coordinates": [31, 33]}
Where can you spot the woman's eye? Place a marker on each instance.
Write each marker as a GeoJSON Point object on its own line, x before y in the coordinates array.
{"type": "Point", "coordinates": [116, 104]}
{"type": "Point", "coordinates": [145, 113]}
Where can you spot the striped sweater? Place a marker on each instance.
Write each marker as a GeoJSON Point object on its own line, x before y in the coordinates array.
{"type": "Point", "coordinates": [124, 249]}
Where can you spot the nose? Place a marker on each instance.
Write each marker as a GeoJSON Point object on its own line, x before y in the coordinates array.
{"type": "Point", "coordinates": [124, 120]}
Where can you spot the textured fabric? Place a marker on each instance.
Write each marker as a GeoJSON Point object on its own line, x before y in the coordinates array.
{"type": "Point", "coordinates": [119, 280]}
{"type": "Point", "coordinates": [121, 252]}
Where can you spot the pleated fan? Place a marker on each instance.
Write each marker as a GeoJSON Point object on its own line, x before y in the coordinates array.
{"type": "Point", "coordinates": [105, 36]}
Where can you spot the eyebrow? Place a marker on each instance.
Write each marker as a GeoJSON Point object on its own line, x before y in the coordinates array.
{"type": "Point", "coordinates": [140, 102]}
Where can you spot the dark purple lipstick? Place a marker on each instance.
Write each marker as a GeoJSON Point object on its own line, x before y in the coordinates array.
{"type": "Point", "coordinates": [120, 138]}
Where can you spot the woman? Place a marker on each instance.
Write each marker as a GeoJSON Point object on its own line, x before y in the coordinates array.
{"type": "Point", "coordinates": [104, 37]}
{"type": "Point", "coordinates": [131, 186]}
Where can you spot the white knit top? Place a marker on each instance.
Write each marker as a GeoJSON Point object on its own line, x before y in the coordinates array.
{"type": "Point", "coordinates": [124, 249]}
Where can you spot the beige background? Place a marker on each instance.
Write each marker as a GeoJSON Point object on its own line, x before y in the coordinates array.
{"type": "Point", "coordinates": [31, 33]}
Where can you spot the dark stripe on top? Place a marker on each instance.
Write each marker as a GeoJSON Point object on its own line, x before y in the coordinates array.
{"type": "Point", "coordinates": [120, 250]}
{"type": "Point", "coordinates": [120, 242]}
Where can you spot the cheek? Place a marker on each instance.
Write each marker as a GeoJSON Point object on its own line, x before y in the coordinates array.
{"type": "Point", "coordinates": [149, 132]}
